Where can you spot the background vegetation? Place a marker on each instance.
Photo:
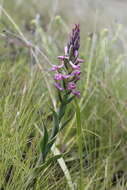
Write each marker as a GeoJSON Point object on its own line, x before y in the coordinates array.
{"type": "Point", "coordinates": [27, 93]}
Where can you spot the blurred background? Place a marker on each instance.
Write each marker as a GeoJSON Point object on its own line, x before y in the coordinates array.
{"type": "Point", "coordinates": [93, 14]}
{"type": "Point", "coordinates": [46, 24]}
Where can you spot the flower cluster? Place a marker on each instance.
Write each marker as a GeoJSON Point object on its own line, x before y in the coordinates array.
{"type": "Point", "coordinates": [68, 72]}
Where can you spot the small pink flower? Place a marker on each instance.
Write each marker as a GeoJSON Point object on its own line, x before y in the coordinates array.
{"type": "Point", "coordinates": [62, 57]}
{"type": "Point", "coordinates": [56, 67]}
{"type": "Point", "coordinates": [76, 93]}
{"type": "Point", "coordinates": [74, 66]}
{"type": "Point", "coordinates": [76, 73]}
{"type": "Point", "coordinates": [58, 76]}
{"type": "Point", "coordinates": [58, 86]}
{"type": "Point", "coordinates": [66, 76]}
{"type": "Point", "coordinates": [71, 86]}
{"type": "Point", "coordinates": [79, 61]}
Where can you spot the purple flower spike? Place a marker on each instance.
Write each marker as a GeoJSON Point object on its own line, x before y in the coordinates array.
{"type": "Point", "coordinates": [71, 86]}
{"type": "Point", "coordinates": [76, 93]}
{"type": "Point", "coordinates": [58, 76]}
{"type": "Point", "coordinates": [68, 73]}
{"type": "Point", "coordinates": [58, 86]}
{"type": "Point", "coordinates": [74, 40]}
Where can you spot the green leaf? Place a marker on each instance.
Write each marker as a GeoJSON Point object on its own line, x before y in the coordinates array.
{"type": "Point", "coordinates": [55, 128]}
{"type": "Point", "coordinates": [44, 141]}
{"type": "Point", "coordinates": [49, 145]}
{"type": "Point", "coordinates": [52, 138]}
{"type": "Point", "coordinates": [62, 110]}
{"type": "Point", "coordinates": [60, 97]}
{"type": "Point", "coordinates": [66, 100]}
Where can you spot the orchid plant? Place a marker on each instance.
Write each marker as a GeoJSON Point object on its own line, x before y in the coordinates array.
{"type": "Point", "coordinates": [66, 76]}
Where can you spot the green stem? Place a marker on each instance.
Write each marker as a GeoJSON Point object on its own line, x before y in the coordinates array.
{"type": "Point", "coordinates": [79, 142]}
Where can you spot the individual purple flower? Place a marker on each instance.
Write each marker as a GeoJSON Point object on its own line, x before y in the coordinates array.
{"type": "Point", "coordinates": [66, 76]}
{"type": "Point", "coordinates": [74, 66]}
{"type": "Point", "coordinates": [56, 67]}
{"type": "Point", "coordinates": [58, 86]}
{"type": "Point", "coordinates": [76, 73]}
{"type": "Point", "coordinates": [62, 57]}
{"type": "Point", "coordinates": [71, 86]}
{"type": "Point", "coordinates": [58, 76]}
{"type": "Point", "coordinates": [78, 60]}
{"type": "Point", "coordinates": [76, 93]}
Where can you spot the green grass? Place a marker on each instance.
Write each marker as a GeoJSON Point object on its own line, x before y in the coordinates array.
{"type": "Point", "coordinates": [94, 141]}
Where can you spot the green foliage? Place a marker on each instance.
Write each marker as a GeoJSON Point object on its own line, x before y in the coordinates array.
{"type": "Point", "coordinates": [44, 143]}
{"type": "Point", "coordinates": [97, 154]}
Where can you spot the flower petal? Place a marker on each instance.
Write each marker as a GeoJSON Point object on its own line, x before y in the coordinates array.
{"type": "Point", "coordinates": [66, 76]}
{"type": "Point", "coordinates": [56, 67]}
{"type": "Point", "coordinates": [74, 66]}
{"type": "Point", "coordinates": [79, 61]}
{"type": "Point", "coordinates": [58, 76]}
{"type": "Point", "coordinates": [76, 73]}
{"type": "Point", "coordinates": [62, 57]}
{"type": "Point", "coordinates": [71, 86]}
{"type": "Point", "coordinates": [58, 86]}
{"type": "Point", "coordinates": [76, 93]}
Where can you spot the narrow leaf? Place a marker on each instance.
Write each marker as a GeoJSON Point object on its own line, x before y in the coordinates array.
{"type": "Point", "coordinates": [55, 128]}
{"type": "Point", "coordinates": [44, 141]}
{"type": "Point", "coordinates": [62, 110]}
